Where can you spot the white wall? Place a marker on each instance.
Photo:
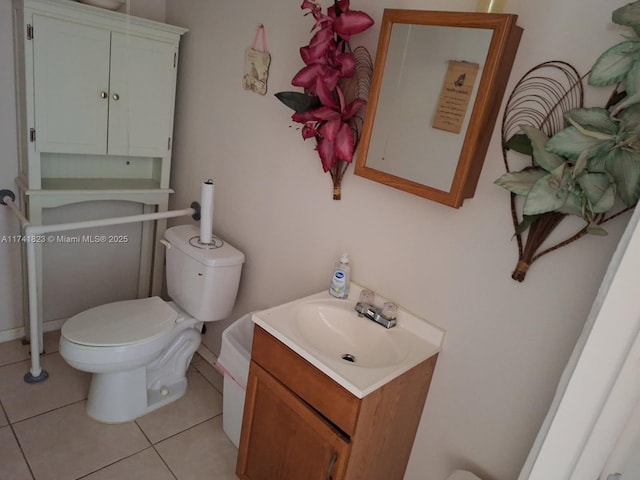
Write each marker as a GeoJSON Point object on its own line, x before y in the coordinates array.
{"type": "Point", "coordinates": [10, 279]}
{"type": "Point", "coordinates": [151, 9]}
{"type": "Point", "coordinates": [506, 343]}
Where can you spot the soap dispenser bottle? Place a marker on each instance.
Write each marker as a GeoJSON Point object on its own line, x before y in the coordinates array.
{"type": "Point", "coordinates": [339, 286]}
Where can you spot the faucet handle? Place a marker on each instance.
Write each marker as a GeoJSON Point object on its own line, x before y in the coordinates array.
{"type": "Point", "coordinates": [367, 296]}
{"type": "Point", "coordinates": [389, 310]}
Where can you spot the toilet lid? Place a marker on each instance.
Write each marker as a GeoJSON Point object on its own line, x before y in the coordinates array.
{"type": "Point", "coordinates": [120, 323]}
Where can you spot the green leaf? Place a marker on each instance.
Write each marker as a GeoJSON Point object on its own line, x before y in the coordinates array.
{"type": "Point", "coordinates": [599, 190]}
{"type": "Point", "coordinates": [547, 160]}
{"type": "Point", "coordinates": [571, 143]}
{"type": "Point", "coordinates": [607, 201]}
{"type": "Point", "coordinates": [546, 195]}
{"type": "Point", "coordinates": [613, 65]}
{"type": "Point", "coordinates": [627, 15]}
{"type": "Point", "coordinates": [598, 163]}
{"type": "Point", "coordinates": [631, 119]}
{"type": "Point", "coordinates": [300, 102]}
{"type": "Point", "coordinates": [624, 167]}
{"type": "Point", "coordinates": [595, 229]}
{"type": "Point", "coordinates": [558, 174]}
{"type": "Point", "coordinates": [632, 80]}
{"type": "Point", "coordinates": [591, 133]}
{"type": "Point", "coordinates": [581, 164]}
{"type": "Point", "coordinates": [520, 182]}
{"type": "Point", "coordinates": [519, 143]}
{"type": "Point", "coordinates": [598, 119]}
{"type": "Point", "coordinates": [573, 205]}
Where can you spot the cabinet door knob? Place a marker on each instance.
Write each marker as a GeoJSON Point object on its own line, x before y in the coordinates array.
{"type": "Point", "coordinates": [104, 94]}
{"type": "Point", "coordinates": [115, 96]}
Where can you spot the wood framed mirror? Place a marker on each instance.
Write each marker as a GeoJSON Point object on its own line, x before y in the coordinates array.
{"type": "Point", "coordinates": [437, 86]}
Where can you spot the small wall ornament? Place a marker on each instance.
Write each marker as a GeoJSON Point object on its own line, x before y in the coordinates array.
{"type": "Point", "coordinates": [336, 83]}
{"type": "Point", "coordinates": [583, 161]}
{"type": "Point", "coordinates": [256, 64]}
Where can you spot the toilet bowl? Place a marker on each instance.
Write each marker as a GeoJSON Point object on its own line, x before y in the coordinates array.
{"type": "Point", "coordinates": [125, 383]}
{"type": "Point", "coordinates": [138, 350]}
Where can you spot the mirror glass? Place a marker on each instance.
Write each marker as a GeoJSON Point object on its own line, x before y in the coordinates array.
{"type": "Point", "coordinates": [438, 82]}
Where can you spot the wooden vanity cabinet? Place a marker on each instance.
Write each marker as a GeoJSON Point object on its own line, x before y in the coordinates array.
{"type": "Point", "coordinates": [300, 424]}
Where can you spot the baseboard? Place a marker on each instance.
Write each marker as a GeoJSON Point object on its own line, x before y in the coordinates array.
{"type": "Point", "coordinates": [13, 334]}
{"type": "Point", "coordinates": [16, 333]}
{"type": "Point", "coordinates": [207, 355]}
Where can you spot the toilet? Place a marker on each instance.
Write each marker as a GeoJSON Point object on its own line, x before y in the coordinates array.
{"type": "Point", "coordinates": [138, 350]}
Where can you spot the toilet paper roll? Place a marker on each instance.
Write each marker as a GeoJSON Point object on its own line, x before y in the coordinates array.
{"type": "Point", "coordinates": [206, 212]}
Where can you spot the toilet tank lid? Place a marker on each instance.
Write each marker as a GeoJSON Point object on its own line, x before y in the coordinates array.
{"type": "Point", "coordinates": [185, 238]}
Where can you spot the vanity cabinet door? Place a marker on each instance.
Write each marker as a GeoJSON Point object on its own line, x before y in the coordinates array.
{"type": "Point", "coordinates": [70, 79]}
{"type": "Point", "coordinates": [283, 438]}
{"type": "Point", "coordinates": [101, 92]}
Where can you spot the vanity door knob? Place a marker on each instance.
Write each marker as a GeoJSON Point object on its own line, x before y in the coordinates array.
{"type": "Point", "coordinates": [115, 96]}
{"type": "Point", "coordinates": [104, 94]}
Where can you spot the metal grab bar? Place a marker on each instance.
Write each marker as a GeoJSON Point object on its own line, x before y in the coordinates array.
{"type": "Point", "coordinates": [36, 374]}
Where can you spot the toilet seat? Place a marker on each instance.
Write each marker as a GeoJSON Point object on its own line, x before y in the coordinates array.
{"type": "Point", "coordinates": [122, 323]}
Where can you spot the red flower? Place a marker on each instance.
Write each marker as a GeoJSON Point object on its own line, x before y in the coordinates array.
{"type": "Point", "coordinates": [328, 60]}
{"type": "Point", "coordinates": [350, 23]}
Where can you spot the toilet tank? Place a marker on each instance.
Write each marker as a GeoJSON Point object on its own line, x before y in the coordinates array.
{"type": "Point", "coordinates": [202, 279]}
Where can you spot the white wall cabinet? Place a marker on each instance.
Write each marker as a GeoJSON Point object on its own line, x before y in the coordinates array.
{"type": "Point", "coordinates": [101, 92]}
{"type": "Point", "coordinates": [95, 83]}
{"type": "Point", "coordinates": [96, 94]}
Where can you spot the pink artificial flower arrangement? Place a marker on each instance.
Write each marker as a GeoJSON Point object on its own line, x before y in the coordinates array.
{"type": "Point", "coordinates": [322, 108]}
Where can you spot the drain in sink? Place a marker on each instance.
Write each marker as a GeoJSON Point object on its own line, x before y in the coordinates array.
{"type": "Point", "coordinates": [347, 357]}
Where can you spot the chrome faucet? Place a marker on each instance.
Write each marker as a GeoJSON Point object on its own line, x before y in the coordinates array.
{"type": "Point", "coordinates": [384, 316]}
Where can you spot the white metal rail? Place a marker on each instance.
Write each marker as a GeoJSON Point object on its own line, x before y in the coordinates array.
{"type": "Point", "coordinates": [36, 374]}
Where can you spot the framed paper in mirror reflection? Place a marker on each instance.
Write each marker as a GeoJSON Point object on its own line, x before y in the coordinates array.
{"type": "Point", "coordinates": [438, 81]}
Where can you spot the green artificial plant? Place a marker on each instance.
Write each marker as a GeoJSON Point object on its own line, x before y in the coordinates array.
{"type": "Point", "coordinates": [591, 167]}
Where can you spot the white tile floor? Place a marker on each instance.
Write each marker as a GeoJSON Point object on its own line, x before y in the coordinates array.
{"type": "Point", "coordinates": [46, 435]}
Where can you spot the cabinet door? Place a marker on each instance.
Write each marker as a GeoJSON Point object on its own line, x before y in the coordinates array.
{"type": "Point", "coordinates": [71, 72]}
{"type": "Point", "coordinates": [283, 438]}
{"type": "Point", "coordinates": [142, 86]}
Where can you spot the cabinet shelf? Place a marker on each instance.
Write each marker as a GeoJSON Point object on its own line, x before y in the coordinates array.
{"type": "Point", "coordinates": [95, 187]}
{"type": "Point", "coordinates": [101, 184]}
{"type": "Point", "coordinates": [60, 171]}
